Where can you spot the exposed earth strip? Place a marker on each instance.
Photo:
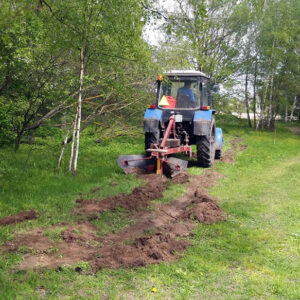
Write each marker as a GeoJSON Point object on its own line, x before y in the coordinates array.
{"type": "Point", "coordinates": [159, 234]}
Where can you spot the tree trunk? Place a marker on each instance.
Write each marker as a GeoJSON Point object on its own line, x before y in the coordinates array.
{"type": "Point", "coordinates": [293, 109]}
{"type": "Point", "coordinates": [273, 70]}
{"type": "Point", "coordinates": [63, 148]}
{"type": "Point", "coordinates": [273, 117]}
{"type": "Point", "coordinates": [18, 141]}
{"type": "Point", "coordinates": [262, 107]}
{"type": "Point", "coordinates": [49, 115]}
{"type": "Point", "coordinates": [73, 141]}
{"type": "Point", "coordinates": [247, 100]}
{"type": "Point", "coordinates": [79, 110]}
{"type": "Point", "coordinates": [254, 94]}
{"type": "Point", "coordinates": [270, 114]}
{"type": "Point", "coordinates": [286, 118]}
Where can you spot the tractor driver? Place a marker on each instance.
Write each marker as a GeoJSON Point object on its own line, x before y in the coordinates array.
{"type": "Point", "coordinates": [187, 91]}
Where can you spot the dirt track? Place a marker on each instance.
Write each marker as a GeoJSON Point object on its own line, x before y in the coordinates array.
{"type": "Point", "coordinates": [159, 233]}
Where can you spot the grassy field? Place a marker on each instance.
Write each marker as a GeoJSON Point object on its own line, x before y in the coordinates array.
{"type": "Point", "coordinates": [253, 255]}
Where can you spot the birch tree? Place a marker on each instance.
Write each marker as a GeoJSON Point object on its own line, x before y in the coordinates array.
{"type": "Point", "coordinates": [91, 31]}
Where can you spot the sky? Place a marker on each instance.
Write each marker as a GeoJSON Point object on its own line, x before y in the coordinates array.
{"type": "Point", "coordinates": [152, 34]}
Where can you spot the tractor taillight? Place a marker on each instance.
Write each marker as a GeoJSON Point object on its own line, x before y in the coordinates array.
{"type": "Point", "coordinates": [205, 107]}
{"type": "Point", "coordinates": [152, 106]}
{"type": "Point", "coordinates": [160, 77]}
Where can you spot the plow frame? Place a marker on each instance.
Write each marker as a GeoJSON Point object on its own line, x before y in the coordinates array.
{"type": "Point", "coordinates": [160, 152]}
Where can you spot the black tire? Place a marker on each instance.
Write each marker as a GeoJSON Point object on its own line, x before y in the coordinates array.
{"type": "Point", "coordinates": [218, 154]}
{"type": "Point", "coordinates": [206, 147]}
{"type": "Point", "coordinates": [151, 138]}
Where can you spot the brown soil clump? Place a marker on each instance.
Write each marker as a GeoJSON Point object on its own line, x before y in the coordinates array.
{"type": "Point", "coordinates": [59, 255]}
{"type": "Point", "coordinates": [82, 233]}
{"type": "Point", "coordinates": [181, 178]}
{"type": "Point", "coordinates": [205, 209]}
{"type": "Point", "coordinates": [18, 218]}
{"type": "Point", "coordinates": [140, 197]}
{"type": "Point", "coordinates": [145, 250]}
{"type": "Point", "coordinates": [34, 239]}
{"type": "Point", "coordinates": [77, 244]}
{"type": "Point", "coordinates": [207, 213]}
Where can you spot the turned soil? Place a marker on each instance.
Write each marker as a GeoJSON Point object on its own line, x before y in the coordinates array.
{"type": "Point", "coordinates": [19, 217]}
{"type": "Point", "coordinates": [159, 234]}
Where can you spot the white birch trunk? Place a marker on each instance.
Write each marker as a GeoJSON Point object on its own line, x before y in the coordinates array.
{"type": "Point", "coordinates": [254, 95]}
{"type": "Point", "coordinates": [293, 109]}
{"type": "Point", "coordinates": [73, 141]}
{"type": "Point", "coordinates": [270, 113]}
{"type": "Point", "coordinates": [262, 108]}
{"type": "Point", "coordinates": [63, 148]}
{"type": "Point", "coordinates": [246, 100]}
{"type": "Point", "coordinates": [79, 110]}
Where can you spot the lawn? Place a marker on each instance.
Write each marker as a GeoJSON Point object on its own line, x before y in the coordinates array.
{"type": "Point", "coordinates": [253, 255]}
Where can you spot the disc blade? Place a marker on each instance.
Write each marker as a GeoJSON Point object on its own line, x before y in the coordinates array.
{"type": "Point", "coordinates": [176, 165]}
{"type": "Point", "coordinates": [140, 164]}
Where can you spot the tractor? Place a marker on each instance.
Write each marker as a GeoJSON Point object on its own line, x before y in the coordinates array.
{"type": "Point", "coordinates": [181, 117]}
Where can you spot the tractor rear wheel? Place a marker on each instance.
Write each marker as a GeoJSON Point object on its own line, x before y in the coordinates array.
{"type": "Point", "coordinates": [151, 138]}
{"type": "Point", "coordinates": [206, 148]}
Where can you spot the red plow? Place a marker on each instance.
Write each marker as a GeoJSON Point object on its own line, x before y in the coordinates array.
{"type": "Point", "coordinates": [158, 158]}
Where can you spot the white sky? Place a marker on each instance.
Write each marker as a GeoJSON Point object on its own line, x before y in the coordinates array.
{"type": "Point", "coordinates": [153, 36]}
{"type": "Point", "coordinates": [151, 32]}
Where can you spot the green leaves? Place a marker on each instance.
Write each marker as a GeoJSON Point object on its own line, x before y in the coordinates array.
{"type": "Point", "coordinates": [39, 59]}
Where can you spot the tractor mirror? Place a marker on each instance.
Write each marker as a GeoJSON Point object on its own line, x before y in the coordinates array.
{"type": "Point", "coordinates": [216, 88]}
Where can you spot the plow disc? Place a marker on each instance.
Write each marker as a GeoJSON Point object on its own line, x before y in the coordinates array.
{"type": "Point", "coordinates": [142, 164]}
{"type": "Point", "coordinates": [174, 166]}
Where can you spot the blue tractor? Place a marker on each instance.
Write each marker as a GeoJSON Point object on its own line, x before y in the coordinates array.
{"type": "Point", "coordinates": [182, 116]}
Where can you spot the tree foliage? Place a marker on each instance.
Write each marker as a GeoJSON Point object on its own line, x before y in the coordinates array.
{"type": "Point", "coordinates": [40, 62]}
{"type": "Point", "coordinates": [57, 56]}
{"type": "Point", "coordinates": [253, 45]}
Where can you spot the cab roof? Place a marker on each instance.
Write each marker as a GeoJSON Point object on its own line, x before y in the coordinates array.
{"type": "Point", "coordinates": [189, 73]}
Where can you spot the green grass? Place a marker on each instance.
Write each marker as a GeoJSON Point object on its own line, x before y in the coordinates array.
{"type": "Point", "coordinates": [253, 255]}
{"type": "Point", "coordinates": [112, 221]}
{"type": "Point", "coordinates": [173, 191]}
{"type": "Point", "coordinates": [54, 234]}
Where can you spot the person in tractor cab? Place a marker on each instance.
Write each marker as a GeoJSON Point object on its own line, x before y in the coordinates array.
{"type": "Point", "coordinates": [187, 91]}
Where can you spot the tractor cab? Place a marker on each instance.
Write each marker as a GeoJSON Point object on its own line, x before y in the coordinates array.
{"type": "Point", "coordinates": [183, 90]}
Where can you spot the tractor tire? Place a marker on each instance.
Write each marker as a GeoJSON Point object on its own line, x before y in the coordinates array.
{"type": "Point", "coordinates": [206, 147]}
{"type": "Point", "coordinates": [218, 154]}
{"type": "Point", "coordinates": [151, 138]}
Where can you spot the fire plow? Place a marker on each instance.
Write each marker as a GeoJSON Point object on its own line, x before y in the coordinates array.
{"type": "Point", "coordinates": [158, 157]}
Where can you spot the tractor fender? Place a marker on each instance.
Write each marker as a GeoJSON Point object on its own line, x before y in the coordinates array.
{"type": "Point", "coordinates": [202, 121]}
{"type": "Point", "coordinates": [152, 120]}
{"type": "Point", "coordinates": [219, 139]}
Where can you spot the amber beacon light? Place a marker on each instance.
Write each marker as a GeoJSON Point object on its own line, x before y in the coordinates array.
{"type": "Point", "coordinates": [160, 77]}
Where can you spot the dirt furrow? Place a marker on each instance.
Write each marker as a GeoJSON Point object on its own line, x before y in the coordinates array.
{"type": "Point", "coordinates": [159, 233]}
